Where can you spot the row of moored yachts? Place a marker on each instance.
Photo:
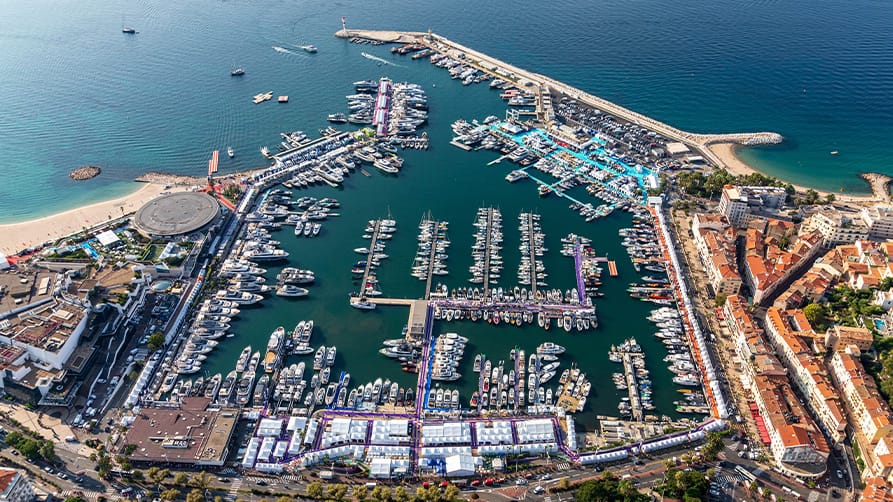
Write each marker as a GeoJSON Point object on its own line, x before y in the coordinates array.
{"type": "Point", "coordinates": [487, 245]}
{"type": "Point", "coordinates": [431, 256]}
{"type": "Point", "coordinates": [532, 248]}
{"type": "Point", "coordinates": [500, 387]}
{"type": "Point", "coordinates": [405, 106]}
{"type": "Point", "coordinates": [378, 232]}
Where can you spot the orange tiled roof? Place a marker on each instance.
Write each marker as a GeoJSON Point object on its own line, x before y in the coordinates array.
{"type": "Point", "coordinates": [7, 476]}
{"type": "Point", "coordinates": [876, 490]}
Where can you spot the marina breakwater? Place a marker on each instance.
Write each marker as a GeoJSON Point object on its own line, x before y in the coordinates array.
{"type": "Point", "coordinates": [540, 83]}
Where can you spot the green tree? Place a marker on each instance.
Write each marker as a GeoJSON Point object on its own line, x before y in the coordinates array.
{"type": "Point", "coordinates": [157, 475]}
{"type": "Point", "coordinates": [30, 448]}
{"type": "Point", "coordinates": [605, 488]}
{"type": "Point", "coordinates": [753, 487]}
{"type": "Point", "coordinates": [195, 495]}
{"type": "Point", "coordinates": [720, 300]}
{"type": "Point", "coordinates": [564, 484]}
{"type": "Point", "coordinates": [200, 480]}
{"type": "Point", "coordinates": [47, 451]}
{"type": "Point", "coordinates": [713, 447]}
{"type": "Point", "coordinates": [285, 499]}
{"type": "Point", "coordinates": [401, 495]}
{"type": "Point", "coordinates": [431, 494]}
{"type": "Point", "coordinates": [171, 494]}
{"type": "Point", "coordinates": [450, 493]}
{"type": "Point", "coordinates": [684, 485]}
{"type": "Point", "coordinates": [13, 438]}
{"type": "Point", "coordinates": [815, 314]}
{"type": "Point", "coordinates": [812, 196]}
{"type": "Point", "coordinates": [181, 479]}
{"type": "Point", "coordinates": [381, 493]}
{"type": "Point", "coordinates": [315, 490]}
{"type": "Point", "coordinates": [156, 341]}
{"type": "Point", "coordinates": [360, 492]}
{"type": "Point", "coordinates": [103, 464]}
{"type": "Point", "coordinates": [138, 476]}
{"type": "Point", "coordinates": [337, 492]}
{"type": "Point", "coordinates": [74, 499]}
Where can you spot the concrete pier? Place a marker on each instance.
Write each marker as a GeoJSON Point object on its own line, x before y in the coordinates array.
{"type": "Point", "coordinates": [543, 86]}
{"type": "Point", "coordinates": [632, 386]}
{"type": "Point", "coordinates": [367, 270]}
{"type": "Point", "coordinates": [487, 248]}
{"type": "Point", "coordinates": [578, 273]}
{"type": "Point", "coordinates": [531, 252]}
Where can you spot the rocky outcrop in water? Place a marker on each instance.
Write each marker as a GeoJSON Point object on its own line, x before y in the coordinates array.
{"type": "Point", "coordinates": [880, 185]}
{"type": "Point", "coordinates": [84, 173]}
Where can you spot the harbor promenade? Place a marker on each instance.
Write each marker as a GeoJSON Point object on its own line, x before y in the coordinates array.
{"type": "Point", "coordinates": [528, 79]}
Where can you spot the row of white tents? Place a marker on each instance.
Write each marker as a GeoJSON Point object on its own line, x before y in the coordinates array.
{"type": "Point", "coordinates": [676, 440]}
{"type": "Point", "coordinates": [710, 372]}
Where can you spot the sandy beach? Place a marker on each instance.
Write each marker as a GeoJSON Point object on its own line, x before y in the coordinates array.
{"type": "Point", "coordinates": [878, 183]}
{"type": "Point", "coordinates": [15, 237]}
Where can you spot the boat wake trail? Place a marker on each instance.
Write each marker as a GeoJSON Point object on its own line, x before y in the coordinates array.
{"type": "Point", "coordinates": [285, 51]}
{"type": "Point", "coordinates": [378, 59]}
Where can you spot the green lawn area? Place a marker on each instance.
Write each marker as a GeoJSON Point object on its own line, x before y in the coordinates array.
{"type": "Point", "coordinates": [152, 252]}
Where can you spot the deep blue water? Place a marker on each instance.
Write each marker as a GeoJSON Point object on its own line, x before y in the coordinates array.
{"type": "Point", "coordinates": [75, 90]}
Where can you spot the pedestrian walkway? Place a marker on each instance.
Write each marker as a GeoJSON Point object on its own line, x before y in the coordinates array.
{"type": "Point", "coordinates": [234, 490]}
{"type": "Point", "coordinates": [86, 495]}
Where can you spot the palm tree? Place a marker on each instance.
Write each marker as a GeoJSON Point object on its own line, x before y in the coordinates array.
{"type": "Point", "coordinates": [451, 493]}
{"type": "Point", "coordinates": [400, 494]}
{"type": "Point", "coordinates": [315, 490]}
{"type": "Point", "coordinates": [625, 487]}
{"type": "Point", "coordinates": [200, 481]}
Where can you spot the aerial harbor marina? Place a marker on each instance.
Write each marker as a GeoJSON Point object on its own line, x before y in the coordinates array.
{"type": "Point", "coordinates": [460, 273]}
{"type": "Point", "coordinates": [515, 334]}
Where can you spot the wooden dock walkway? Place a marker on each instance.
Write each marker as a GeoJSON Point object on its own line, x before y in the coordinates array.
{"type": "Point", "coordinates": [431, 260]}
{"type": "Point", "coordinates": [487, 251]}
{"type": "Point", "coordinates": [531, 253]}
{"type": "Point", "coordinates": [368, 269]}
{"type": "Point", "coordinates": [632, 386]}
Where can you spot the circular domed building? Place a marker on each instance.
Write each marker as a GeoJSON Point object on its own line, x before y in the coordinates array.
{"type": "Point", "coordinates": [176, 214]}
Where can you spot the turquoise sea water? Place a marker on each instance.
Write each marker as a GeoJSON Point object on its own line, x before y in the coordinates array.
{"type": "Point", "coordinates": [75, 90]}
